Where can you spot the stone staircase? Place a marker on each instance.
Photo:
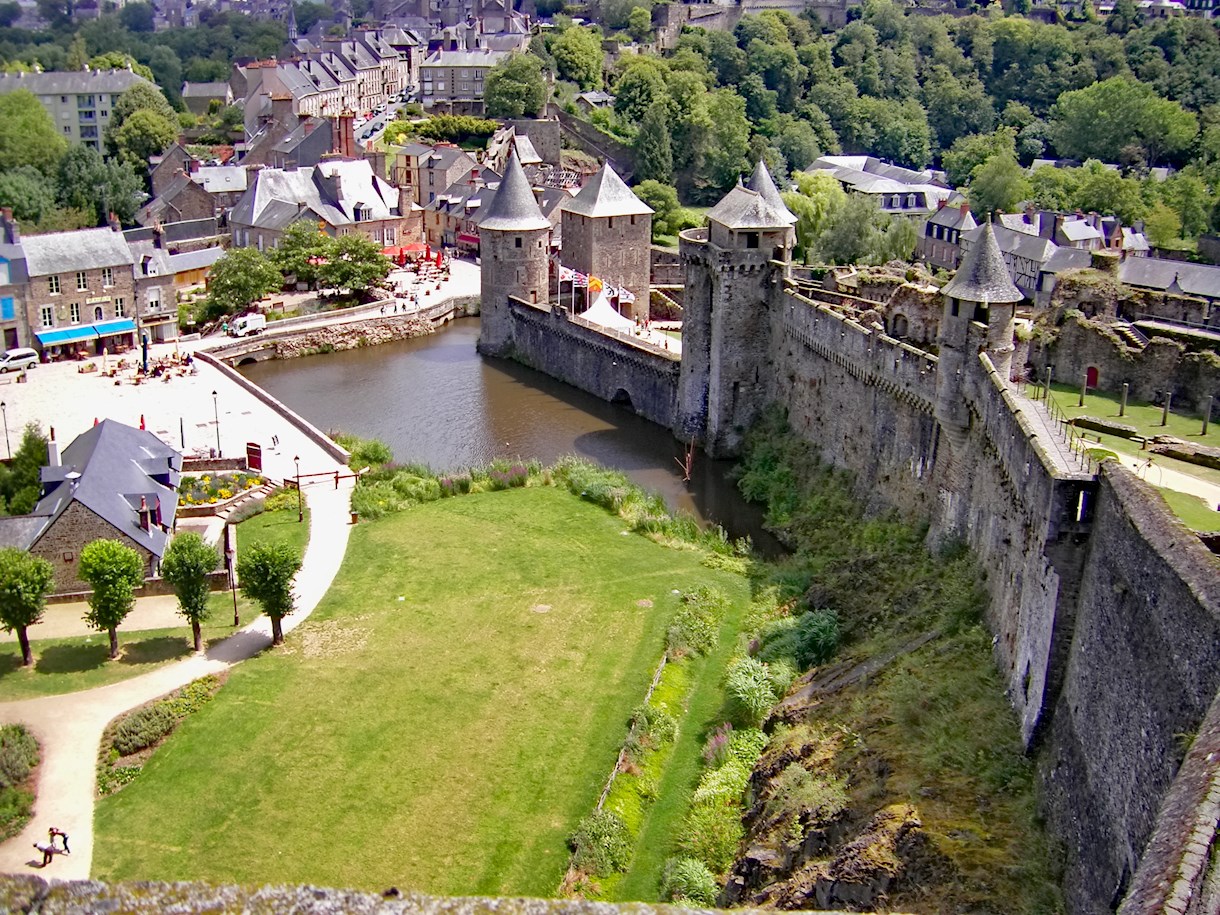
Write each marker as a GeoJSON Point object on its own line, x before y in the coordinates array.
{"type": "Point", "coordinates": [260, 492]}
{"type": "Point", "coordinates": [1130, 334]}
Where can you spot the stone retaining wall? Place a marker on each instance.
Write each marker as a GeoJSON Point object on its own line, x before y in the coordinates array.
{"type": "Point", "coordinates": [352, 335]}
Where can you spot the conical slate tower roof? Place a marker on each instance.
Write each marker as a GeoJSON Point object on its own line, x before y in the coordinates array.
{"type": "Point", "coordinates": [983, 277]}
{"type": "Point", "coordinates": [605, 194]}
{"type": "Point", "coordinates": [762, 182]}
{"type": "Point", "coordinates": [513, 208]}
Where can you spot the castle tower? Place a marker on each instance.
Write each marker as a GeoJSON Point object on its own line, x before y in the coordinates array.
{"type": "Point", "coordinates": [981, 290]}
{"type": "Point", "coordinates": [607, 232]}
{"type": "Point", "coordinates": [735, 269]}
{"type": "Point", "coordinates": [514, 238]}
{"type": "Point", "coordinates": [292, 24]}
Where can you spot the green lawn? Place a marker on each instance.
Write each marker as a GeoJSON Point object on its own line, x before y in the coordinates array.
{"type": "Point", "coordinates": [67, 665]}
{"type": "Point", "coordinates": [448, 714]}
{"type": "Point", "coordinates": [1144, 417]}
{"type": "Point", "coordinates": [1194, 512]}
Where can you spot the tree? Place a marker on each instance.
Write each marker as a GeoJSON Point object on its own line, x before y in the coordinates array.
{"type": "Point", "coordinates": [87, 182]}
{"type": "Point", "coordinates": [25, 582]}
{"type": "Point", "coordinates": [140, 97]}
{"type": "Point", "coordinates": [1099, 121]}
{"type": "Point", "coordinates": [796, 140]}
{"type": "Point", "coordinates": [1163, 225]}
{"type": "Point", "coordinates": [27, 134]}
{"type": "Point", "coordinates": [998, 184]}
{"type": "Point", "coordinates": [515, 87]}
{"type": "Point", "coordinates": [353, 262]}
{"type": "Point", "coordinates": [266, 573]}
{"type": "Point", "coordinates": [664, 201]}
{"type": "Point", "coordinates": [186, 565]}
{"type": "Point", "coordinates": [143, 135]}
{"type": "Point", "coordinates": [28, 192]}
{"type": "Point", "coordinates": [578, 56]}
{"type": "Point", "coordinates": [302, 247]}
{"type": "Point", "coordinates": [10, 12]}
{"type": "Point", "coordinates": [19, 481]}
{"type": "Point", "coordinates": [727, 141]}
{"type": "Point", "coordinates": [817, 197]}
{"type": "Point", "coordinates": [116, 60]}
{"type": "Point", "coordinates": [641, 85]}
{"type": "Point", "coordinates": [113, 570]}
{"type": "Point", "coordinates": [639, 24]}
{"type": "Point", "coordinates": [968, 153]}
{"type": "Point", "coordinates": [137, 17]}
{"type": "Point", "coordinates": [653, 151]}
{"type": "Point", "coordinates": [240, 278]}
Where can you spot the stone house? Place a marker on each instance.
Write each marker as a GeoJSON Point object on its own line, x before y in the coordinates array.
{"type": "Point", "coordinates": [940, 243]}
{"type": "Point", "coordinates": [425, 171]}
{"type": "Point", "coordinates": [606, 232]}
{"type": "Point", "coordinates": [342, 196]}
{"type": "Point", "coordinates": [198, 97]}
{"type": "Point", "coordinates": [182, 199]}
{"type": "Point", "coordinates": [113, 482]}
{"type": "Point", "coordinates": [453, 80]}
{"type": "Point", "coordinates": [80, 290]}
{"type": "Point", "coordinates": [898, 191]}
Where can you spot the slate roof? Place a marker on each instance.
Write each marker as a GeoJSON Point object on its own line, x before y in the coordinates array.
{"type": "Point", "coordinates": [194, 260]}
{"type": "Point", "coordinates": [1018, 244]}
{"type": "Point", "coordinates": [953, 217]}
{"type": "Point", "coordinates": [513, 208]}
{"type": "Point", "coordinates": [983, 275]}
{"type": "Point", "coordinates": [117, 465]}
{"type": "Point", "coordinates": [330, 191]}
{"type": "Point", "coordinates": [481, 57]}
{"type": "Point", "coordinates": [604, 195]}
{"type": "Point", "coordinates": [84, 249]}
{"type": "Point", "coordinates": [1067, 259]}
{"type": "Point", "coordinates": [1079, 230]}
{"type": "Point", "coordinates": [1200, 280]}
{"type": "Point", "coordinates": [205, 90]}
{"type": "Point", "coordinates": [71, 82]}
{"type": "Point", "coordinates": [762, 182]}
{"type": "Point", "coordinates": [742, 208]}
{"type": "Point", "coordinates": [20, 531]}
{"type": "Point", "coordinates": [219, 179]}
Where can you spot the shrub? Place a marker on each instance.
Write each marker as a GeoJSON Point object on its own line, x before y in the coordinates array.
{"type": "Point", "coordinates": [282, 499]}
{"type": "Point", "coordinates": [502, 475]}
{"type": "Point", "coordinates": [18, 755]}
{"type": "Point", "coordinates": [142, 728]}
{"type": "Point", "coordinates": [696, 626]}
{"type": "Point", "coordinates": [656, 723]}
{"type": "Point", "coordinates": [16, 808]}
{"type": "Point", "coordinates": [746, 746]}
{"type": "Point", "coordinates": [688, 880]}
{"type": "Point", "coordinates": [376, 500]}
{"type": "Point", "coordinates": [716, 749]}
{"type": "Point", "coordinates": [601, 844]}
{"type": "Point", "coordinates": [458, 484]}
{"type": "Point", "coordinates": [807, 640]}
{"type": "Point", "coordinates": [798, 792]}
{"type": "Point", "coordinates": [748, 684]}
{"type": "Point", "coordinates": [723, 785]}
{"type": "Point", "coordinates": [712, 834]}
{"type": "Point", "coordinates": [416, 488]}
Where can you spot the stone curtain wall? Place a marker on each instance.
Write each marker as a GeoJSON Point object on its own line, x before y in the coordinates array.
{"type": "Point", "coordinates": [544, 339]}
{"type": "Point", "coordinates": [1143, 670]}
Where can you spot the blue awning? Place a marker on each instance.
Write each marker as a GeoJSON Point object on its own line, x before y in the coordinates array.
{"type": "Point", "coordinates": [117, 326]}
{"type": "Point", "coordinates": [66, 335]}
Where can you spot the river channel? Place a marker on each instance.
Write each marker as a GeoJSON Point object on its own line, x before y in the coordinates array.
{"type": "Point", "coordinates": [435, 400]}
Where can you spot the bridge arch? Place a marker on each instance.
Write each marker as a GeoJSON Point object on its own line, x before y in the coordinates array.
{"type": "Point", "coordinates": [246, 360]}
{"type": "Point", "coordinates": [622, 397]}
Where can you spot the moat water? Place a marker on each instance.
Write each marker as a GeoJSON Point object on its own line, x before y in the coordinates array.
{"type": "Point", "coordinates": [435, 400]}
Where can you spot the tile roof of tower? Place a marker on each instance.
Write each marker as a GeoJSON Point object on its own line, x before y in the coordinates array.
{"type": "Point", "coordinates": [605, 194]}
{"type": "Point", "coordinates": [762, 182]}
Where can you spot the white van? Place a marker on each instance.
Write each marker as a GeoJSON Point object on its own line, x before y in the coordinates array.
{"type": "Point", "coordinates": [17, 359]}
{"type": "Point", "coordinates": [247, 325]}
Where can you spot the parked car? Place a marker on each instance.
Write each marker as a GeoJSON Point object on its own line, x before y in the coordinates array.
{"type": "Point", "coordinates": [14, 360]}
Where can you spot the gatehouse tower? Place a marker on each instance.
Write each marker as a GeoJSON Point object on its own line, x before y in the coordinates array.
{"type": "Point", "coordinates": [514, 238]}
{"type": "Point", "coordinates": [735, 269]}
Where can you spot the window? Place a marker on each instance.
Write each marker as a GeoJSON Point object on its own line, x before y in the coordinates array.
{"type": "Point", "coordinates": [82, 281]}
{"type": "Point", "coordinates": [7, 310]}
{"type": "Point", "coordinates": [63, 100]}
{"type": "Point", "coordinates": [751, 239]}
{"type": "Point", "coordinates": [87, 132]}
{"type": "Point", "coordinates": [390, 235]}
{"type": "Point", "coordinates": [74, 312]}
{"type": "Point", "coordinates": [105, 114]}
{"type": "Point", "coordinates": [464, 87]}
{"type": "Point", "coordinates": [67, 130]}
{"type": "Point", "coordinates": [48, 315]}
{"type": "Point", "coordinates": [53, 284]}
{"type": "Point", "coordinates": [465, 74]}
{"type": "Point", "coordinates": [118, 307]}
{"type": "Point", "coordinates": [440, 85]}
{"type": "Point", "coordinates": [98, 314]}
{"type": "Point", "coordinates": [154, 299]}
{"type": "Point", "coordinates": [517, 242]}
{"type": "Point", "coordinates": [107, 276]}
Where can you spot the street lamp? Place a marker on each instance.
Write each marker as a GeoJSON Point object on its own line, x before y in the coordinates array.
{"type": "Point", "coordinates": [300, 500]}
{"type": "Point", "coordinates": [7, 446]}
{"type": "Point", "coordinates": [216, 414]}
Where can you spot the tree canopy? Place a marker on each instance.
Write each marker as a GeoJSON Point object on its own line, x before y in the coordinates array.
{"type": "Point", "coordinates": [27, 134]}
{"type": "Point", "coordinates": [515, 87]}
{"type": "Point", "coordinates": [240, 278]}
{"type": "Point", "coordinates": [186, 565]}
{"type": "Point", "coordinates": [266, 572]}
{"type": "Point", "coordinates": [1102, 120]}
{"type": "Point", "coordinates": [113, 570]}
{"type": "Point", "coordinates": [25, 582]}
{"type": "Point", "coordinates": [578, 55]}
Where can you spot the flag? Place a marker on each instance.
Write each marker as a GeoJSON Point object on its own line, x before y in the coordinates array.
{"type": "Point", "coordinates": [595, 284]}
{"type": "Point", "coordinates": [626, 296]}
{"type": "Point", "coordinates": [566, 274]}
{"type": "Point", "coordinates": [579, 279]}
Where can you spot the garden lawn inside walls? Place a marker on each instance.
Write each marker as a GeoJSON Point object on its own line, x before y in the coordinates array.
{"type": "Point", "coordinates": [441, 723]}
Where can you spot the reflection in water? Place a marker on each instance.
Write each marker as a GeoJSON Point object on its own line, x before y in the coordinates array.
{"type": "Point", "coordinates": [434, 400]}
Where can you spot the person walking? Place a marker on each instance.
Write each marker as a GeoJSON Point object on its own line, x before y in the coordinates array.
{"type": "Point", "coordinates": [53, 833]}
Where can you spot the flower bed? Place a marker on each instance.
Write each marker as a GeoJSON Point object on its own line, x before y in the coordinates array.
{"type": "Point", "coordinates": [206, 492]}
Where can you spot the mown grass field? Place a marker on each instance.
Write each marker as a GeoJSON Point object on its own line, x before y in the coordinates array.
{"type": "Point", "coordinates": [441, 723]}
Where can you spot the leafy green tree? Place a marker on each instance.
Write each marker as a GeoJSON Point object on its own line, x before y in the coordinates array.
{"type": "Point", "coordinates": [639, 24]}
{"type": "Point", "coordinates": [28, 192]}
{"type": "Point", "coordinates": [796, 140]}
{"type": "Point", "coordinates": [616, 14]}
{"type": "Point", "coordinates": [137, 17]}
{"type": "Point", "coordinates": [265, 573]}
{"type": "Point", "coordinates": [663, 199]}
{"type": "Point", "coordinates": [240, 278]}
{"type": "Point", "coordinates": [813, 203]}
{"type": "Point", "coordinates": [1105, 190]}
{"type": "Point", "coordinates": [116, 60]}
{"type": "Point", "coordinates": [143, 135]}
{"type": "Point", "coordinates": [726, 142]}
{"type": "Point", "coordinates": [301, 249]}
{"type": "Point", "coordinates": [1099, 121]}
{"type": "Point", "coordinates": [25, 582]}
{"type": "Point", "coordinates": [140, 97]}
{"type": "Point", "coordinates": [998, 184]}
{"type": "Point", "coordinates": [186, 565]}
{"type": "Point", "coordinates": [515, 87]}
{"type": "Point", "coordinates": [87, 182]}
{"type": "Point", "coordinates": [642, 85]}
{"type": "Point", "coordinates": [578, 56]}
{"type": "Point", "coordinates": [968, 153]}
{"type": "Point", "coordinates": [1187, 194]}
{"type": "Point", "coordinates": [10, 12]}
{"type": "Point", "coordinates": [113, 570]}
{"type": "Point", "coordinates": [353, 262]}
{"type": "Point", "coordinates": [27, 134]}
{"type": "Point", "coordinates": [653, 151]}
{"type": "Point", "coordinates": [1163, 225]}
{"type": "Point", "coordinates": [1124, 17]}
{"type": "Point", "coordinates": [20, 481]}
{"type": "Point", "coordinates": [166, 67]}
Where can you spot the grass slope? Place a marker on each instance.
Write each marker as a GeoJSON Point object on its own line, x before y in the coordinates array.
{"type": "Point", "coordinates": [442, 722]}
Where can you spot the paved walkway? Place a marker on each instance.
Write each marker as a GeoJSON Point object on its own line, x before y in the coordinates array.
{"type": "Point", "coordinates": [69, 727]}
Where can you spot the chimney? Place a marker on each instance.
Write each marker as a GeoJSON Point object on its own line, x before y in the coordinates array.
{"type": "Point", "coordinates": [144, 514]}
{"type": "Point", "coordinates": [940, 204]}
{"type": "Point", "coordinates": [281, 108]}
{"type": "Point", "coordinates": [156, 512]}
{"type": "Point", "coordinates": [157, 236]}
{"type": "Point", "coordinates": [53, 452]}
{"type": "Point", "coordinates": [9, 232]}
{"type": "Point", "coordinates": [965, 207]}
{"type": "Point", "coordinates": [113, 220]}
{"type": "Point", "coordinates": [345, 134]}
